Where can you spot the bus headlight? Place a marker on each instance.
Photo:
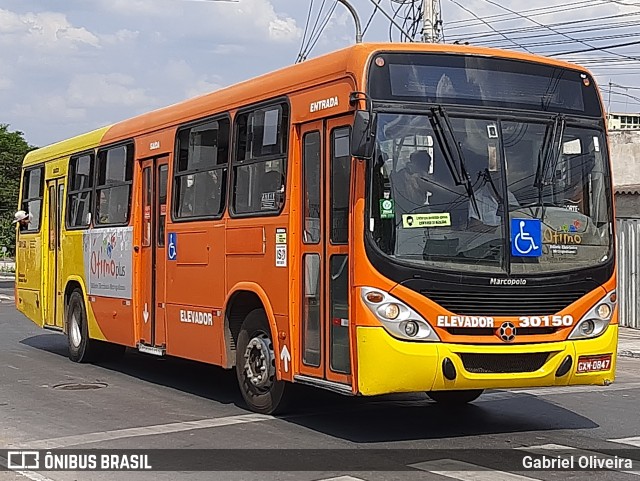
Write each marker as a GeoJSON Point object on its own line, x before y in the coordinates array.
{"type": "Point", "coordinates": [596, 320]}
{"type": "Point", "coordinates": [396, 317]}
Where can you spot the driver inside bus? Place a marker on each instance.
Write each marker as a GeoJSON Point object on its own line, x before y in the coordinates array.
{"type": "Point", "coordinates": [411, 183]}
{"type": "Point", "coordinates": [490, 203]}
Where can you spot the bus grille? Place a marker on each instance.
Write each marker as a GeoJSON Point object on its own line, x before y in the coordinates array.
{"type": "Point", "coordinates": [489, 331]}
{"type": "Point", "coordinates": [504, 303]}
{"type": "Point", "coordinates": [503, 363]}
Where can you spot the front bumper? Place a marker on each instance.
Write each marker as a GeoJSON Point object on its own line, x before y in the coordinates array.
{"type": "Point", "coordinates": [388, 365]}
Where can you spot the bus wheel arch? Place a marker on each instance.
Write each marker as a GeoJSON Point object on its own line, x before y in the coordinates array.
{"type": "Point", "coordinates": [240, 302]}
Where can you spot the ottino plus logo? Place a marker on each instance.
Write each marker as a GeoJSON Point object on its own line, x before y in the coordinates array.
{"type": "Point", "coordinates": [102, 262]}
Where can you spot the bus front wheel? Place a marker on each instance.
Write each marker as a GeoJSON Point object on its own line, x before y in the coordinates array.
{"type": "Point", "coordinates": [256, 365]}
{"type": "Point", "coordinates": [455, 398]}
{"type": "Point", "coordinates": [81, 347]}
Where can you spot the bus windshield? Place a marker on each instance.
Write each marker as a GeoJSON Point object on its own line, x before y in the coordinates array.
{"type": "Point", "coordinates": [553, 175]}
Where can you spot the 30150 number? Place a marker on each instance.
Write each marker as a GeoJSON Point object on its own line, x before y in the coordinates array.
{"type": "Point", "coordinates": [546, 321]}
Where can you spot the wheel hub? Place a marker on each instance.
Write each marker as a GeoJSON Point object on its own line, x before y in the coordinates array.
{"type": "Point", "coordinates": [74, 331]}
{"type": "Point", "coordinates": [259, 365]}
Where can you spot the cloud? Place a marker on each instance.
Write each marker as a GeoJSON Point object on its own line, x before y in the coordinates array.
{"type": "Point", "coordinates": [5, 83]}
{"type": "Point", "coordinates": [191, 83]}
{"type": "Point", "coordinates": [90, 90]}
{"type": "Point", "coordinates": [45, 31]}
{"type": "Point", "coordinates": [120, 37]}
{"type": "Point", "coordinates": [51, 107]}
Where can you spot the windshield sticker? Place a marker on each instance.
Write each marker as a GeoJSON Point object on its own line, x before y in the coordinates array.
{"type": "Point", "coordinates": [526, 237]}
{"type": "Point", "coordinates": [426, 220]}
{"type": "Point", "coordinates": [562, 249]}
{"type": "Point", "coordinates": [566, 237]}
{"type": "Point", "coordinates": [387, 210]}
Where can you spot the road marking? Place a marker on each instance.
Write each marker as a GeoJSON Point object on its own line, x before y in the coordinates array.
{"type": "Point", "coordinates": [13, 367]}
{"type": "Point", "coordinates": [27, 474]}
{"type": "Point", "coordinates": [561, 449]}
{"type": "Point", "coordinates": [462, 471]}
{"type": "Point", "coordinates": [547, 391]}
{"type": "Point", "coordinates": [342, 478]}
{"type": "Point", "coordinates": [74, 440]}
{"type": "Point", "coordinates": [634, 441]}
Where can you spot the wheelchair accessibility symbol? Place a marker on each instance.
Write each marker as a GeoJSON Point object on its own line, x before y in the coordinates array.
{"type": "Point", "coordinates": [172, 246]}
{"type": "Point", "coordinates": [526, 237]}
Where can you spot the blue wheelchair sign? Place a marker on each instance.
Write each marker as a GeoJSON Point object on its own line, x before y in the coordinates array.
{"type": "Point", "coordinates": [172, 246]}
{"type": "Point", "coordinates": [526, 237]}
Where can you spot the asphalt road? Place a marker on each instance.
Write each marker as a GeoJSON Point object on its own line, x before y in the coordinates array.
{"type": "Point", "coordinates": [143, 402]}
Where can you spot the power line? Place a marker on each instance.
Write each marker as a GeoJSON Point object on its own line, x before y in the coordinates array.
{"type": "Point", "coordinates": [593, 49]}
{"type": "Point", "coordinates": [554, 30]}
{"type": "Point", "coordinates": [489, 25]}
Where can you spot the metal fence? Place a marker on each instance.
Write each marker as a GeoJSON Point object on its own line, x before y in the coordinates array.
{"type": "Point", "coordinates": [628, 233]}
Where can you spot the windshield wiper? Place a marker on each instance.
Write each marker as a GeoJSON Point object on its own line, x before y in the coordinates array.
{"type": "Point", "coordinates": [549, 153]}
{"type": "Point", "coordinates": [451, 151]}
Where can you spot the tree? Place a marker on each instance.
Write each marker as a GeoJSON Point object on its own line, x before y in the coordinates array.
{"type": "Point", "coordinates": [13, 148]}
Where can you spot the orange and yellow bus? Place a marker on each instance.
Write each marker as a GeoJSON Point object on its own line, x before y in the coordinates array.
{"type": "Point", "coordinates": [385, 218]}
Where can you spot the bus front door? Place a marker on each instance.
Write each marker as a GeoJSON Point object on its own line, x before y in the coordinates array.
{"type": "Point", "coordinates": [53, 302]}
{"type": "Point", "coordinates": [326, 167]}
{"type": "Point", "coordinates": [151, 319]}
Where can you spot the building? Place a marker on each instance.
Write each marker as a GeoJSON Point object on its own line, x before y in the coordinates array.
{"type": "Point", "coordinates": [623, 121]}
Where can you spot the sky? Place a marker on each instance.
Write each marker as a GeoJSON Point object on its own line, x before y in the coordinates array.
{"type": "Point", "coordinates": [70, 66]}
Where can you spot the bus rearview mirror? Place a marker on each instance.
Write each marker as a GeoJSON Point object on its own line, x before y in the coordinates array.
{"type": "Point", "coordinates": [362, 144]}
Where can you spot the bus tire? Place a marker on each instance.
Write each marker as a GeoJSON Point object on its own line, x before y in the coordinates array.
{"type": "Point", "coordinates": [256, 365]}
{"type": "Point", "coordinates": [81, 347]}
{"type": "Point", "coordinates": [455, 398]}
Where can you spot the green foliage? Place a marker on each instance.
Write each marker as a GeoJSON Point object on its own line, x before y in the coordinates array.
{"type": "Point", "coordinates": [13, 148]}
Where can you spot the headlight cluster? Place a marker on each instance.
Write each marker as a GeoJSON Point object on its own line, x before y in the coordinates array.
{"type": "Point", "coordinates": [596, 320]}
{"type": "Point", "coordinates": [397, 318]}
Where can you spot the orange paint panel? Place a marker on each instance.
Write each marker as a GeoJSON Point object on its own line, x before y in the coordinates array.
{"type": "Point", "coordinates": [245, 240]}
{"type": "Point", "coordinates": [115, 319]}
{"type": "Point", "coordinates": [195, 333]}
{"type": "Point", "coordinates": [320, 102]}
{"type": "Point", "coordinates": [193, 248]}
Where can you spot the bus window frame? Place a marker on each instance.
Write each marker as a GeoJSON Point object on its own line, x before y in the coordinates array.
{"type": "Point", "coordinates": [175, 174]}
{"type": "Point", "coordinates": [131, 183]}
{"type": "Point", "coordinates": [69, 192]}
{"type": "Point", "coordinates": [276, 102]}
{"type": "Point", "coordinates": [41, 198]}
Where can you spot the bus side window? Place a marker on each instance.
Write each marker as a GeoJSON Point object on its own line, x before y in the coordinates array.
{"type": "Point", "coordinates": [340, 179]}
{"type": "Point", "coordinates": [80, 190]}
{"type": "Point", "coordinates": [201, 170]}
{"type": "Point", "coordinates": [259, 169]}
{"type": "Point", "coordinates": [32, 194]}
{"type": "Point", "coordinates": [113, 186]}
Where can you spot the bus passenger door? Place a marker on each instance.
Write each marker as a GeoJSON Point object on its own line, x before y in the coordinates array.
{"type": "Point", "coordinates": [337, 186]}
{"type": "Point", "coordinates": [326, 166]}
{"type": "Point", "coordinates": [52, 299]}
{"type": "Point", "coordinates": [153, 256]}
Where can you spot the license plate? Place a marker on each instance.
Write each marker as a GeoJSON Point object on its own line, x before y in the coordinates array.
{"type": "Point", "coordinates": [594, 363]}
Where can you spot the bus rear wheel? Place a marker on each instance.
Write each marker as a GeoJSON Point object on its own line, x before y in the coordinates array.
{"type": "Point", "coordinates": [256, 365]}
{"type": "Point", "coordinates": [81, 347]}
{"type": "Point", "coordinates": [455, 398]}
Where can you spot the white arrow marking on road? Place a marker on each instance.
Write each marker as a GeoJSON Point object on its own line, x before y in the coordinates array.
{"type": "Point", "coordinates": [286, 357]}
{"type": "Point", "coordinates": [145, 313]}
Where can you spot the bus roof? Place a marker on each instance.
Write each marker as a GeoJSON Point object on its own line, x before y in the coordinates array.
{"type": "Point", "coordinates": [350, 61]}
{"type": "Point", "coordinates": [87, 141]}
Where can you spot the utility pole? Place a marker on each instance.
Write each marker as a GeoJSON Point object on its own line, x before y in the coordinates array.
{"type": "Point", "coordinates": [431, 21]}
